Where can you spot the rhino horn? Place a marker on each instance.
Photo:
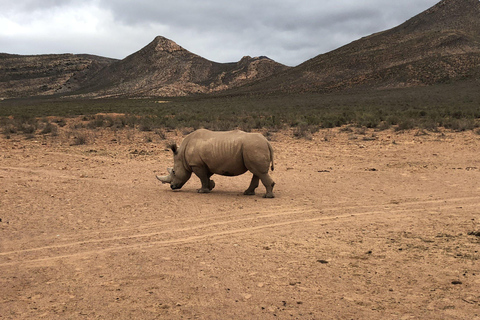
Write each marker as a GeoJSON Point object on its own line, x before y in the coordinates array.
{"type": "Point", "coordinates": [165, 179]}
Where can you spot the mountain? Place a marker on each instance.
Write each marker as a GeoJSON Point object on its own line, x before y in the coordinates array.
{"type": "Point", "coordinates": [23, 76]}
{"type": "Point", "coordinates": [439, 45]}
{"type": "Point", "coordinates": [163, 68]}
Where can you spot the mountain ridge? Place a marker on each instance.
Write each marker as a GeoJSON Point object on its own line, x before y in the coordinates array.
{"type": "Point", "coordinates": [46, 74]}
{"type": "Point", "coordinates": [438, 45]}
{"type": "Point", "coordinates": [161, 68]}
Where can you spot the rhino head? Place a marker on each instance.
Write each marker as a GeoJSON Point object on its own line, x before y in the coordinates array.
{"type": "Point", "coordinates": [178, 175]}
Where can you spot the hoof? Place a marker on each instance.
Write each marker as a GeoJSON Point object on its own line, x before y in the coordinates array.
{"type": "Point", "coordinates": [249, 193]}
{"type": "Point", "coordinates": [203, 190]}
{"type": "Point", "coordinates": [269, 196]}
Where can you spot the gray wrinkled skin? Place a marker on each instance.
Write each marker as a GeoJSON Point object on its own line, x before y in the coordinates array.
{"type": "Point", "coordinates": [229, 153]}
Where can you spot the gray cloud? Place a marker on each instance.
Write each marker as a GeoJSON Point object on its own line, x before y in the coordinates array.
{"type": "Point", "coordinates": [287, 31]}
{"type": "Point", "coordinates": [33, 5]}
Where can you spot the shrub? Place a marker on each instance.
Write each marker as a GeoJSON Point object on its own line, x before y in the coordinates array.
{"type": "Point", "coordinates": [24, 124]}
{"type": "Point", "coordinates": [430, 125]}
{"type": "Point", "coordinates": [369, 121]}
{"type": "Point", "coordinates": [305, 131]}
{"type": "Point", "coordinates": [384, 125]}
{"type": "Point", "coordinates": [222, 125]}
{"type": "Point", "coordinates": [95, 123]}
{"type": "Point", "coordinates": [61, 122]}
{"type": "Point", "coordinates": [79, 139]}
{"type": "Point", "coordinates": [9, 128]}
{"type": "Point", "coordinates": [28, 128]}
{"type": "Point", "coordinates": [119, 122]}
{"type": "Point", "coordinates": [145, 124]}
{"type": "Point", "coordinates": [460, 124]}
{"type": "Point", "coordinates": [49, 128]}
{"type": "Point", "coordinates": [346, 129]}
{"type": "Point", "coordinates": [161, 133]}
{"type": "Point", "coordinates": [405, 124]}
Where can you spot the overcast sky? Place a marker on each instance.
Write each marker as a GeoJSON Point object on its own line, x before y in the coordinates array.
{"type": "Point", "coordinates": [288, 31]}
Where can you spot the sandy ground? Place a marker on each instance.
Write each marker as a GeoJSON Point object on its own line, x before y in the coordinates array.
{"type": "Point", "coordinates": [362, 227]}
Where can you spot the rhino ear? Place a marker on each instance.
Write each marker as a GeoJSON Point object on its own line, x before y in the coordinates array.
{"type": "Point", "coordinates": [174, 148]}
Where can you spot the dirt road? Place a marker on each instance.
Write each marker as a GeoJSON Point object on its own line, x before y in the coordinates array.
{"type": "Point", "coordinates": [364, 226]}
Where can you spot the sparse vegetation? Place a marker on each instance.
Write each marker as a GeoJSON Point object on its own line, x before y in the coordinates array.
{"type": "Point", "coordinates": [454, 106]}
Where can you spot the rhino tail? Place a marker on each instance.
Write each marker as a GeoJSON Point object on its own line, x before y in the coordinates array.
{"type": "Point", "coordinates": [271, 156]}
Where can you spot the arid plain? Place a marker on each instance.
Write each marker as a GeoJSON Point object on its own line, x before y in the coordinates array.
{"type": "Point", "coordinates": [365, 225]}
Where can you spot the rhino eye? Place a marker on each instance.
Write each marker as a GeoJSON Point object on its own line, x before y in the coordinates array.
{"type": "Point", "coordinates": [173, 172]}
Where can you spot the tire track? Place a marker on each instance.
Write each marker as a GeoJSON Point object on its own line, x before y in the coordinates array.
{"type": "Point", "coordinates": [204, 228]}
{"type": "Point", "coordinates": [173, 224]}
{"type": "Point", "coordinates": [166, 231]}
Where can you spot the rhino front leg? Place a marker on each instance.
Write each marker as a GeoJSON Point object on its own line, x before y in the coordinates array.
{"type": "Point", "coordinates": [204, 175]}
{"type": "Point", "coordinates": [253, 185]}
{"type": "Point", "coordinates": [211, 185]}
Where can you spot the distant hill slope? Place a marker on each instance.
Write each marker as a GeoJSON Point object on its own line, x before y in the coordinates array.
{"type": "Point", "coordinates": [439, 45]}
{"type": "Point", "coordinates": [23, 76]}
{"type": "Point", "coordinates": [163, 68]}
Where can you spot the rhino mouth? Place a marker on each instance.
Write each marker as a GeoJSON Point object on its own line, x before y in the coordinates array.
{"type": "Point", "coordinates": [176, 186]}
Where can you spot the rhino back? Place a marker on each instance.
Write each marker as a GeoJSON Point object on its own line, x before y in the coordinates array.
{"type": "Point", "coordinates": [221, 152]}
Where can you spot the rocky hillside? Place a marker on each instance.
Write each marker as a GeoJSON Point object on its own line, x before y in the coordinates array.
{"type": "Point", "coordinates": [23, 76]}
{"type": "Point", "coordinates": [163, 68]}
{"type": "Point", "coordinates": [439, 45]}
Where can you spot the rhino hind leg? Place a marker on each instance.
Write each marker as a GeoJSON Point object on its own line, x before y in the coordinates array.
{"type": "Point", "coordinates": [253, 185]}
{"type": "Point", "coordinates": [269, 184]}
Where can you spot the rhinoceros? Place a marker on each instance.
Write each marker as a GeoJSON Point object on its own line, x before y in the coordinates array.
{"type": "Point", "coordinates": [228, 153]}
